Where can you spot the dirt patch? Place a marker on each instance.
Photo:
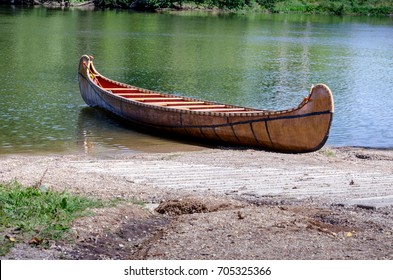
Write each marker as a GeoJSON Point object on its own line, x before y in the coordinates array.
{"type": "Point", "coordinates": [181, 207]}
{"type": "Point", "coordinates": [193, 205]}
{"type": "Point", "coordinates": [365, 154]}
{"type": "Point", "coordinates": [124, 243]}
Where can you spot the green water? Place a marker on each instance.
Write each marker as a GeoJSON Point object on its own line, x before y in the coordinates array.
{"type": "Point", "coordinates": [263, 61]}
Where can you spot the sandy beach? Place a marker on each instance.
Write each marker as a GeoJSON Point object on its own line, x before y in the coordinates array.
{"type": "Point", "coordinates": [335, 203]}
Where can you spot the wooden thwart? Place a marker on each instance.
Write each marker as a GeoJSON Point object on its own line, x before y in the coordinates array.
{"type": "Point", "coordinates": [223, 109]}
{"type": "Point", "coordinates": [157, 99]}
{"type": "Point", "coordinates": [177, 103]}
{"type": "Point", "coordinates": [118, 90]}
{"type": "Point", "coordinates": [202, 106]}
{"type": "Point", "coordinates": [138, 95]}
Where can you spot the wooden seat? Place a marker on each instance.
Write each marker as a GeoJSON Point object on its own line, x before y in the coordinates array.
{"type": "Point", "coordinates": [138, 95]}
{"type": "Point", "coordinates": [222, 110]}
{"type": "Point", "coordinates": [157, 99]}
{"type": "Point", "coordinates": [178, 103]}
{"type": "Point", "coordinates": [252, 112]}
{"type": "Point", "coordinates": [205, 106]}
{"type": "Point", "coordinates": [197, 107]}
{"type": "Point", "coordinates": [122, 90]}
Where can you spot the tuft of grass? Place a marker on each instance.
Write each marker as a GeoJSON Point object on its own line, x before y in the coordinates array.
{"type": "Point", "coordinates": [5, 245]}
{"type": "Point", "coordinates": [37, 213]}
{"type": "Point", "coordinates": [327, 153]}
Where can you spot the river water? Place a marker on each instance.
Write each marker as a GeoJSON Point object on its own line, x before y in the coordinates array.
{"type": "Point", "coordinates": [263, 61]}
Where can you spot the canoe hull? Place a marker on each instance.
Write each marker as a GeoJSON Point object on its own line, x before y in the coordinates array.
{"type": "Point", "coordinates": [297, 130]}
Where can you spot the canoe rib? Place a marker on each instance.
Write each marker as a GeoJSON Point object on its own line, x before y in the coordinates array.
{"type": "Point", "coordinates": [304, 128]}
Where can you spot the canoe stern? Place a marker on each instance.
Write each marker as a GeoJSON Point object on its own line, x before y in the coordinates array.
{"type": "Point", "coordinates": [306, 129]}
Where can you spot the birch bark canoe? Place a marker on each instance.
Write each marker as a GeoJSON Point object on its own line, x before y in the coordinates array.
{"type": "Point", "coordinates": [301, 129]}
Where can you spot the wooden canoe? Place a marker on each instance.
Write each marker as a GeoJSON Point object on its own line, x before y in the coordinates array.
{"type": "Point", "coordinates": [304, 128]}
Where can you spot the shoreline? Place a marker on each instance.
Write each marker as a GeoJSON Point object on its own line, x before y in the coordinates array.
{"type": "Point", "coordinates": [172, 146]}
{"type": "Point", "coordinates": [141, 6]}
